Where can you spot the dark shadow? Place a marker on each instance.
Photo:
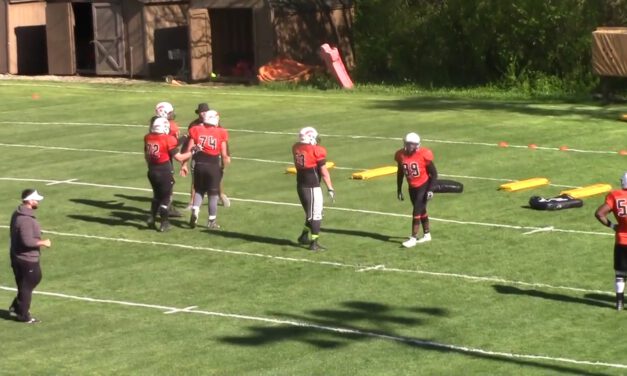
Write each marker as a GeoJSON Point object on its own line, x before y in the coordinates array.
{"type": "Point", "coordinates": [253, 238]}
{"type": "Point", "coordinates": [32, 55]}
{"type": "Point", "coordinates": [426, 104]}
{"type": "Point", "coordinates": [5, 315]}
{"type": "Point", "coordinates": [361, 234]}
{"type": "Point", "coordinates": [502, 289]}
{"type": "Point", "coordinates": [601, 297]}
{"type": "Point", "coordinates": [116, 219]}
{"type": "Point", "coordinates": [110, 205]}
{"type": "Point", "coordinates": [148, 200]}
{"type": "Point", "coordinates": [340, 326]}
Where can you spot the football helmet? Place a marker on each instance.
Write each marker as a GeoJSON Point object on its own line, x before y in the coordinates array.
{"type": "Point", "coordinates": [411, 142]}
{"type": "Point", "coordinates": [308, 135]}
{"type": "Point", "coordinates": [164, 110]}
{"type": "Point", "coordinates": [160, 126]}
{"type": "Point", "coordinates": [623, 181]}
{"type": "Point", "coordinates": [211, 117]}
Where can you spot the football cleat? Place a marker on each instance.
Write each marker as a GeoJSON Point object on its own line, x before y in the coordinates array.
{"type": "Point", "coordinates": [193, 219]}
{"type": "Point", "coordinates": [12, 312]}
{"type": "Point", "coordinates": [303, 238]}
{"type": "Point", "coordinates": [172, 212]}
{"type": "Point", "coordinates": [150, 221]}
{"type": "Point", "coordinates": [213, 225]}
{"type": "Point", "coordinates": [425, 238]}
{"type": "Point", "coordinates": [165, 226]}
{"type": "Point", "coordinates": [314, 246]}
{"type": "Point", "coordinates": [411, 242]}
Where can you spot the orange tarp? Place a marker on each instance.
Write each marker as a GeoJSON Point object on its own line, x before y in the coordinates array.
{"type": "Point", "coordinates": [282, 69]}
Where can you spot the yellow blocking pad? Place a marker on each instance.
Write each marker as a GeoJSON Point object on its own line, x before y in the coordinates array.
{"type": "Point", "coordinates": [524, 184]}
{"type": "Point", "coordinates": [587, 191]}
{"type": "Point", "coordinates": [375, 172]}
{"type": "Point", "coordinates": [292, 170]}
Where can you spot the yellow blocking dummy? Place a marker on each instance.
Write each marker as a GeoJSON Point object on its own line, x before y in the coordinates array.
{"type": "Point", "coordinates": [587, 191]}
{"type": "Point", "coordinates": [524, 184]}
{"type": "Point", "coordinates": [375, 172]}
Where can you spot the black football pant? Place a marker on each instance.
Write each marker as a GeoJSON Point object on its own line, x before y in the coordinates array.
{"type": "Point", "coordinates": [162, 181]}
{"type": "Point", "coordinates": [27, 277]}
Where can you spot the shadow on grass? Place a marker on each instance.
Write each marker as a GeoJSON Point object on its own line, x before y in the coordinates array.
{"type": "Point", "coordinates": [148, 200]}
{"type": "Point", "coordinates": [425, 104]}
{"type": "Point", "coordinates": [253, 238]}
{"type": "Point", "coordinates": [328, 329]}
{"type": "Point", "coordinates": [109, 204]}
{"type": "Point", "coordinates": [5, 315]}
{"type": "Point", "coordinates": [361, 234]}
{"type": "Point", "coordinates": [510, 290]}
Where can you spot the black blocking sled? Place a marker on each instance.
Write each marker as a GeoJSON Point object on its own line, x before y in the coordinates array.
{"type": "Point", "coordinates": [554, 203]}
{"type": "Point", "coordinates": [447, 186]}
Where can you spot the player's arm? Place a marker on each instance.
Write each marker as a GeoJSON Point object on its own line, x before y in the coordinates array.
{"type": "Point", "coordinates": [224, 153]}
{"type": "Point", "coordinates": [399, 181]}
{"type": "Point", "coordinates": [601, 216]}
{"type": "Point", "coordinates": [433, 176]}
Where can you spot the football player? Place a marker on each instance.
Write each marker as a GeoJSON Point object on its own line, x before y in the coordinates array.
{"type": "Point", "coordinates": [166, 110]}
{"type": "Point", "coordinates": [209, 163]}
{"type": "Point", "coordinates": [200, 111]}
{"type": "Point", "coordinates": [616, 203]}
{"type": "Point", "coordinates": [415, 163]}
{"type": "Point", "coordinates": [159, 149]}
{"type": "Point", "coordinates": [310, 162]}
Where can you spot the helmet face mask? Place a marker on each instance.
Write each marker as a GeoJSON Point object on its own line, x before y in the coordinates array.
{"type": "Point", "coordinates": [160, 126]}
{"type": "Point", "coordinates": [411, 143]}
{"type": "Point", "coordinates": [308, 135]}
{"type": "Point", "coordinates": [623, 181]}
{"type": "Point", "coordinates": [165, 110]}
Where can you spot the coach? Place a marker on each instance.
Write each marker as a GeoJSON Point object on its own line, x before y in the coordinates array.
{"type": "Point", "coordinates": [25, 250]}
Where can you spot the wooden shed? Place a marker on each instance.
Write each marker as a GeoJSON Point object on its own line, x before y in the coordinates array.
{"type": "Point", "coordinates": [23, 37]}
{"type": "Point", "coordinates": [153, 38]}
{"type": "Point", "coordinates": [233, 37]}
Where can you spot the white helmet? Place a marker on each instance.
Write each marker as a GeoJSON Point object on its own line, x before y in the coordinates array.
{"type": "Point", "coordinates": [160, 126]}
{"type": "Point", "coordinates": [411, 142]}
{"type": "Point", "coordinates": [211, 117]}
{"type": "Point", "coordinates": [164, 109]}
{"type": "Point", "coordinates": [623, 180]}
{"type": "Point", "coordinates": [308, 135]}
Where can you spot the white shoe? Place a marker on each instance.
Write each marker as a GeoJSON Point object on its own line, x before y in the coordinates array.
{"type": "Point", "coordinates": [425, 238]}
{"type": "Point", "coordinates": [225, 200]}
{"type": "Point", "coordinates": [409, 242]}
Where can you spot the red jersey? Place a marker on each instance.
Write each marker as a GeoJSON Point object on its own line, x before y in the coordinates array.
{"type": "Point", "coordinates": [415, 165]}
{"type": "Point", "coordinates": [210, 138]}
{"type": "Point", "coordinates": [174, 128]}
{"type": "Point", "coordinates": [617, 200]}
{"type": "Point", "coordinates": [157, 147]}
{"type": "Point", "coordinates": [307, 160]}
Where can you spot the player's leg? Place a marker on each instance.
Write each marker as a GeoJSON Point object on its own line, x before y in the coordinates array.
{"type": "Point", "coordinates": [166, 187]}
{"type": "Point", "coordinates": [215, 177]}
{"type": "Point", "coordinates": [154, 203]}
{"type": "Point", "coordinates": [305, 198]}
{"type": "Point", "coordinates": [424, 217]}
{"type": "Point", "coordinates": [620, 268]}
{"type": "Point", "coordinates": [192, 191]}
{"type": "Point", "coordinates": [419, 210]}
{"type": "Point", "coordinates": [200, 188]}
{"type": "Point", "coordinates": [224, 199]}
{"type": "Point", "coordinates": [316, 218]}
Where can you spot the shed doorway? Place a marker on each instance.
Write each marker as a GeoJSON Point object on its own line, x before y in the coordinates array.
{"type": "Point", "coordinates": [83, 38]}
{"type": "Point", "coordinates": [232, 42]}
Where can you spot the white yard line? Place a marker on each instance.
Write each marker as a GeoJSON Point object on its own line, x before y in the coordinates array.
{"type": "Point", "coordinates": [357, 268]}
{"type": "Point", "coordinates": [62, 182]}
{"type": "Point", "coordinates": [356, 137]}
{"type": "Point", "coordinates": [285, 163]}
{"type": "Point", "coordinates": [332, 329]}
{"type": "Point", "coordinates": [279, 203]}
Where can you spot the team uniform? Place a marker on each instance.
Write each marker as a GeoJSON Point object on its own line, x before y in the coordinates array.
{"type": "Point", "coordinates": [415, 164]}
{"type": "Point", "coordinates": [158, 150]}
{"type": "Point", "coordinates": [309, 160]}
{"type": "Point", "coordinates": [208, 168]}
{"type": "Point", "coordinates": [616, 203]}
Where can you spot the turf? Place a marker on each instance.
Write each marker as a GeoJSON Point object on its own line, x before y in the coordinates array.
{"type": "Point", "coordinates": [489, 295]}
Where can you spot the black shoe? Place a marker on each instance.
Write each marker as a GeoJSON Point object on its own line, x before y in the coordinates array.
{"type": "Point", "coordinates": [303, 238]}
{"type": "Point", "coordinates": [314, 246]}
{"type": "Point", "coordinates": [12, 312]}
{"type": "Point", "coordinates": [165, 226]}
{"type": "Point", "coordinates": [172, 212]}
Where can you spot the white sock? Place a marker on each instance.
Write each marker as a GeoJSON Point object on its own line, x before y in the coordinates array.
{"type": "Point", "coordinates": [620, 284]}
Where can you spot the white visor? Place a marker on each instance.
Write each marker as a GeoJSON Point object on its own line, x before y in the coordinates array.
{"type": "Point", "coordinates": [35, 196]}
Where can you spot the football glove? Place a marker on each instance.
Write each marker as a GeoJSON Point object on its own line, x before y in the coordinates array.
{"type": "Point", "coordinates": [611, 225]}
{"type": "Point", "coordinates": [429, 195]}
{"type": "Point", "coordinates": [332, 195]}
{"type": "Point", "coordinates": [399, 195]}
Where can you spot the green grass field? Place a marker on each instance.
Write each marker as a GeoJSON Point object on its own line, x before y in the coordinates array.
{"type": "Point", "coordinates": [496, 292]}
